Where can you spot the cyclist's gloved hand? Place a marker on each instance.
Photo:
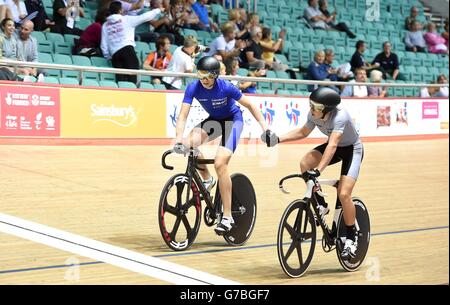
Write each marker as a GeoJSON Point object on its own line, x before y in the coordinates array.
{"type": "Point", "coordinates": [179, 148]}
{"type": "Point", "coordinates": [270, 138]}
{"type": "Point", "coordinates": [313, 173]}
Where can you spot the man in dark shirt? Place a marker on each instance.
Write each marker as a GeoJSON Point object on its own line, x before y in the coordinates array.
{"type": "Point", "coordinates": [251, 56]}
{"type": "Point", "coordinates": [41, 21]}
{"type": "Point", "coordinates": [387, 62]}
{"type": "Point", "coordinates": [358, 60]}
{"type": "Point", "coordinates": [64, 15]}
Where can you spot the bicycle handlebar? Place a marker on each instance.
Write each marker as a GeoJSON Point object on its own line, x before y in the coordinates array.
{"type": "Point", "coordinates": [280, 184]}
{"type": "Point", "coordinates": [163, 159]}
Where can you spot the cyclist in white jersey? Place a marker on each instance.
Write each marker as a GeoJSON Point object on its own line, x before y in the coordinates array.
{"type": "Point", "coordinates": [343, 145]}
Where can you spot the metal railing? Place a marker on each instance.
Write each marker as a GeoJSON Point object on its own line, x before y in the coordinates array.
{"type": "Point", "coordinates": [139, 73]}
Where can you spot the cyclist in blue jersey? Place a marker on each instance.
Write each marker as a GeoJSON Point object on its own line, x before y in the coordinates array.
{"type": "Point", "coordinates": [343, 145]}
{"type": "Point", "coordinates": [218, 97]}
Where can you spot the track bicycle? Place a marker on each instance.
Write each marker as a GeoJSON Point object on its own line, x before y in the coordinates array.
{"type": "Point", "coordinates": [180, 205]}
{"type": "Point", "coordinates": [297, 230]}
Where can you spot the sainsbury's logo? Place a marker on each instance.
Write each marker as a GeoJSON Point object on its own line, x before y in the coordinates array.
{"type": "Point", "coordinates": [120, 116]}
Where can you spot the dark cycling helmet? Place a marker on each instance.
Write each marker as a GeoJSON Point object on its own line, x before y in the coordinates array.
{"type": "Point", "coordinates": [327, 97]}
{"type": "Point", "coordinates": [210, 64]}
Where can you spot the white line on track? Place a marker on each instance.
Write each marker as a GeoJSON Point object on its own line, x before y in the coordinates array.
{"type": "Point", "coordinates": [120, 257]}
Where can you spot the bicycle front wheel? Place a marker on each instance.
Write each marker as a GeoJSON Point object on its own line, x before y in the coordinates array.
{"type": "Point", "coordinates": [296, 238]}
{"type": "Point", "coordinates": [179, 218]}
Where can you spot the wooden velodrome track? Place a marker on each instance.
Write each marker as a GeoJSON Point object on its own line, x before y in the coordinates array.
{"type": "Point", "coordinates": [111, 193]}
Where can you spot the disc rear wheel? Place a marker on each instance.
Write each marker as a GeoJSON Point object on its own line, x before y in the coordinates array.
{"type": "Point", "coordinates": [243, 209]}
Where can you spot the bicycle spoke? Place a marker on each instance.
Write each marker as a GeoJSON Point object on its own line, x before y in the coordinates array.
{"type": "Point", "coordinates": [186, 224]}
{"type": "Point", "coordinates": [175, 228]}
{"type": "Point", "coordinates": [299, 253]}
{"type": "Point", "coordinates": [298, 220]}
{"type": "Point", "coordinates": [180, 188]}
{"type": "Point", "coordinates": [291, 249]}
{"type": "Point", "coordinates": [168, 208]}
{"type": "Point", "coordinates": [290, 230]}
{"type": "Point", "coordinates": [306, 223]}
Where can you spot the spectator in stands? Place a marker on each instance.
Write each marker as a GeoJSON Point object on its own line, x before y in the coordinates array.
{"type": "Point", "coordinates": [358, 61]}
{"type": "Point", "coordinates": [41, 21]}
{"type": "Point", "coordinates": [27, 48]}
{"type": "Point", "coordinates": [160, 25]}
{"type": "Point", "coordinates": [5, 12]}
{"type": "Point", "coordinates": [182, 62]}
{"type": "Point", "coordinates": [8, 41]}
{"type": "Point", "coordinates": [315, 18]}
{"type": "Point", "coordinates": [64, 15]}
{"type": "Point", "coordinates": [271, 47]}
{"type": "Point", "coordinates": [376, 76]}
{"type": "Point", "coordinates": [132, 7]}
{"type": "Point", "coordinates": [242, 18]}
{"type": "Point", "coordinates": [340, 73]}
{"type": "Point", "coordinates": [252, 21]}
{"type": "Point", "coordinates": [341, 26]}
{"type": "Point", "coordinates": [388, 63]}
{"type": "Point", "coordinates": [251, 56]}
{"type": "Point", "coordinates": [117, 39]}
{"type": "Point", "coordinates": [429, 91]}
{"type": "Point", "coordinates": [360, 90]}
{"type": "Point", "coordinates": [89, 42]}
{"type": "Point", "coordinates": [18, 10]}
{"type": "Point", "coordinates": [436, 43]}
{"type": "Point", "coordinates": [414, 39]}
{"type": "Point", "coordinates": [251, 87]}
{"type": "Point", "coordinates": [414, 12]}
{"type": "Point", "coordinates": [328, 64]}
{"type": "Point", "coordinates": [191, 20]}
{"type": "Point", "coordinates": [173, 21]}
{"type": "Point", "coordinates": [225, 44]}
{"type": "Point", "coordinates": [159, 60]}
{"type": "Point", "coordinates": [232, 68]}
{"type": "Point", "coordinates": [8, 49]}
{"type": "Point", "coordinates": [235, 17]}
{"type": "Point", "coordinates": [443, 91]}
{"type": "Point", "coordinates": [201, 10]}
{"type": "Point", "coordinates": [316, 70]}
{"type": "Point", "coordinates": [445, 33]}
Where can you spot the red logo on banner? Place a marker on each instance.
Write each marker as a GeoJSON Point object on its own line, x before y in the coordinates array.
{"type": "Point", "coordinates": [29, 111]}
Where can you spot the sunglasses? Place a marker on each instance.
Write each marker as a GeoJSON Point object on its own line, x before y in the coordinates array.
{"type": "Point", "coordinates": [207, 75]}
{"type": "Point", "coordinates": [316, 106]}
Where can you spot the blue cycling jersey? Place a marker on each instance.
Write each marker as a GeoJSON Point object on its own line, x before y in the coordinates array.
{"type": "Point", "coordinates": [219, 102]}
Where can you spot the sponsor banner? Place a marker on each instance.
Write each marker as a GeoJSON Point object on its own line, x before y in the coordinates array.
{"type": "Point", "coordinates": [29, 111]}
{"type": "Point", "coordinates": [90, 113]}
{"type": "Point", "coordinates": [372, 117]}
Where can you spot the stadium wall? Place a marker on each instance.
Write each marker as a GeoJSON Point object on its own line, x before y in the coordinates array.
{"type": "Point", "coordinates": [55, 112]}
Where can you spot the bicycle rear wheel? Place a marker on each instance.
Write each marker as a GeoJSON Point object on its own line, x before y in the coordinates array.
{"type": "Point", "coordinates": [363, 221]}
{"type": "Point", "coordinates": [243, 209]}
{"type": "Point", "coordinates": [179, 219]}
{"type": "Point", "coordinates": [296, 232]}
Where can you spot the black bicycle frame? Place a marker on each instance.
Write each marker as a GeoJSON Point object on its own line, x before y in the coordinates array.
{"type": "Point", "coordinates": [191, 172]}
{"type": "Point", "coordinates": [329, 234]}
